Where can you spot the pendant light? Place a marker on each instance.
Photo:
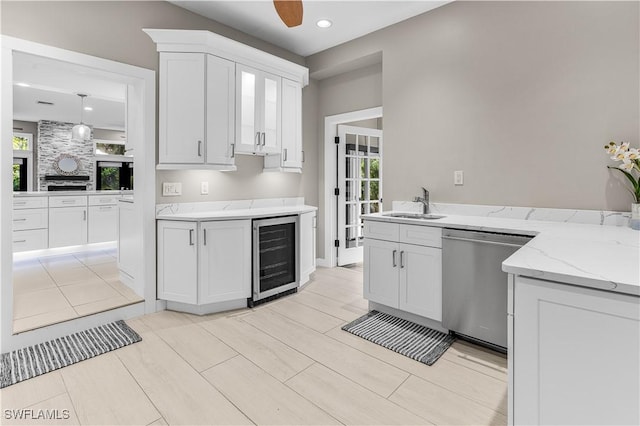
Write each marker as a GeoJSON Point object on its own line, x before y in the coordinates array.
{"type": "Point", "coordinates": [81, 132]}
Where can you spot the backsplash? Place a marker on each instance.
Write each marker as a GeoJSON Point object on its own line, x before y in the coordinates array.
{"type": "Point", "coordinates": [228, 205]}
{"type": "Point", "coordinates": [593, 217]}
{"type": "Point", "coordinates": [54, 138]}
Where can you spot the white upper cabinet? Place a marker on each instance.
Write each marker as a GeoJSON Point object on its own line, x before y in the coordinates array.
{"type": "Point", "coordinates": [219, 97]}
{"type": "Point", "coordinates": [197, 106]}
{"type": "Point", "coordinates": [258, 111]}
{"type": "Point", "coordinates": [291, 157]}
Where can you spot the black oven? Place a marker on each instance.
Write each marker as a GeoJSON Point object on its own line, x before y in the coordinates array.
{"type": "Point", "coordinates": [275, 257]}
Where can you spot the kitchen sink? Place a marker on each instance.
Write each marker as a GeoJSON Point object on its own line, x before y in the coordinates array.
{"type": "Point", "coordinates": [423, 216]}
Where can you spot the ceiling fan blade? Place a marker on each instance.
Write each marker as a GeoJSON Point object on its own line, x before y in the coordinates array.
{"type": "Point", "coordinates": [290, 11]}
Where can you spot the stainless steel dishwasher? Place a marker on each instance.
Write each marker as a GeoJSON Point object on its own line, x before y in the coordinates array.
{"type": "Point", "coordinates": [474, 288]}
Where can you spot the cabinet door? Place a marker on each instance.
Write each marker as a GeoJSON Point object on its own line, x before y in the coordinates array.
{"type": "Point", "coordinates": [258, 110]}
{"type": "Point", "coordinates": [307, 245]}
{"type": "Point", "coordinates": [221, 104]}
{"type": "Point", "coordinates": [271, 108]}
{"type": "Point", "coordinates": [421, 281]}
{"type": "Point", "coordinates": [291, 124]}
{"type": "Point", "coordinates": [182, 108]}
{"type": "Point", "coordinates": [67, 226]}
{"type": "Point", "coordinates": [381, 272]}
{"type": "Point", "coordinates": [225, 261]}
{"type": "Point", "coordinates": [103, 223]}
{"type": "Point", "coordinates": [576, 355]}
{"type": "Point", "coordinates": [177, 261]}
{"type": "Point", "coordinates": [247, 123]}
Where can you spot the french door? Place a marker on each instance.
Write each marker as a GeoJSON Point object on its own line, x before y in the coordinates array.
{"type": "Point", "coordinates": [359, 186]}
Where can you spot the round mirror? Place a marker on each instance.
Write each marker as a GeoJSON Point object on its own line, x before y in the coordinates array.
{"type": "Point", "coordinates": [67, 164]}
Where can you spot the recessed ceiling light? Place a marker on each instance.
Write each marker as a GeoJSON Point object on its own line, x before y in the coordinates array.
{"type": "Point", "coordinates": [23, 84]}
{"type": "Point", "coordinates": [88, 109]}
{"type": "Point", "coordinates": [324, 23]}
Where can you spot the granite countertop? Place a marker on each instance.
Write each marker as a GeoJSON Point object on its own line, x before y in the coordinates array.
{"type": "Point", "coordinates": [595, 256]}
{"type": "Point", "coordinates": [248, 213]}
{"type": "Point", "coordinates": [67, 193]}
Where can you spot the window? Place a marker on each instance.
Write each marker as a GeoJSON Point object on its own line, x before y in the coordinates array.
{"type": "Point", "coordinates": [22, 161]}
{"type": "Point", "coordinates": [114, 175]}
{"type": "Point", "coordinates": [109, 147]}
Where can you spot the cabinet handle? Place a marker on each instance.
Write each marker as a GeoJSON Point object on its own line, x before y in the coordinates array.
{"type": "Point", "coordinates": [394, 258]}
{"type": "Point", "coordinates": [19, 241]}
{"type": "Point", "coordinates": [106, 207]}
{"type": "Point", "coordinates": [302, 156]}
{"type": "Point", "coordinates": [84, 215]}
{"type": "Point", "coordinates": [264, 138]}
{"type": "Point", "coordinates": [19, 203]}
{"type": "Point", "coordinates": [199, 148]}
{"type": "Point", "coordinates": [20, 220]}
{"type": "Point", "coordinates": [204, 239]}
{"type": "Point", "coordinates": [233, 150]}
{"type": "Point", "coordinates": [285, 154]}
{"type": "Point", "coordinates": [68, 201]}
{"type": "Point", "coordinates": [402, 259]}
{"type": "Point", "coordinates": [190, 237]}
{"type": "Point", "coordinates": [256, 140]}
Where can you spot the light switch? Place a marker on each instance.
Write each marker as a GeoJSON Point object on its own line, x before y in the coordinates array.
{"type": "Point", "coordinates": [204, 188]}
{"type": "Point", "coordinates": [458, 177]}
{"type": "Point", "coordinates": [171, 189]}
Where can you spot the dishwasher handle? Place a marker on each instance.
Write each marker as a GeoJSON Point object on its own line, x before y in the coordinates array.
{"type": "Point", "coordinates": [471, 240]}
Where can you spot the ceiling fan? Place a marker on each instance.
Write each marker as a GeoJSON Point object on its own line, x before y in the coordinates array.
{"type": "Point", "coordinates": [290, 11]}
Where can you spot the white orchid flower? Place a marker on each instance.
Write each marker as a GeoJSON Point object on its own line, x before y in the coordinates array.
{"type": "Point", "coordinates": [612, 148]}
{"type": "Point", "coordinates": [633, 154]}
{"type": "Point", "coordinates": [627, 165]}
{"type": "Point", "coordinates": [624, 146]}
{"type": "Point", "coordinates": [619, 155]}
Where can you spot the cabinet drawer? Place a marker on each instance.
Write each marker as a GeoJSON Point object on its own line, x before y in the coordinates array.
{"type": "Point", "coordinates": [421, 235]}
{"type": "Point", "coordinates": [381, 230]}
{"type": "Point", "coordinates": [30, 202]}
{"type": "Point", "coordinates": [35, 239]}
{"type": "Point", "coordinates": [30, 219]}
{"type": "Point", "coordinates": [103, 200]}
{"type": "Point", "coordinates": [68, 201]}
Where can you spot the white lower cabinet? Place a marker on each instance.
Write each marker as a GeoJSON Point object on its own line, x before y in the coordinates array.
{"type": "Point", "coordinates": [308, 225]}
{"type": "Point", "coordinates": [224, 261]}
{"type": "Point", "coordinates": [102, 223]}
{"type": "Point", "coordinates": [178, 261]}
{"type": "Point", "coordinates": [67, 226]}
{"type": "Point", "coordinates": [575, 353]}
{"type": "Point", "coordinates": [404, 276]}
{"type": "Point", "coordinates": [206, 262]}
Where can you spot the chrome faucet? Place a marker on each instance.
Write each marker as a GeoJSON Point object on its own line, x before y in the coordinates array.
{"type": "Point", "coordinates": [424, 200]}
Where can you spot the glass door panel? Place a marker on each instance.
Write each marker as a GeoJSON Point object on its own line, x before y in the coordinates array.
{"type": "Point", "coordinates": [248, 109]}
{"type": "Point", "coordinates": [271, 113]}
{"type": "Point", "coordinates": [359, 180]}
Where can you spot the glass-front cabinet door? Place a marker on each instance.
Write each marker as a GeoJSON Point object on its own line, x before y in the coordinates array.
{"type": "Point", "coordinates": [258, 111]}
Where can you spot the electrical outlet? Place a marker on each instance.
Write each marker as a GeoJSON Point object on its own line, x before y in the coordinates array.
{"type": "Point", "coordinates": [204, 188]}
{"type": "Point", "coordinates": [458, 177]}
{"type": "Point", "coordinates": [171, 189]}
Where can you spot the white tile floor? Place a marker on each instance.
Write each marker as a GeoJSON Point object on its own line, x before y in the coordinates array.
{"type": "Point", "coordinates": [286, 362]}
{"type": "Point", "coordinates": [52, 289]}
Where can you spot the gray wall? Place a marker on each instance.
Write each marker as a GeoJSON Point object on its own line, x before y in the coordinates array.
{"type": "Point", "coordinates": [113, 30]}
{"type": "Point", "coordinates": [522, 96]}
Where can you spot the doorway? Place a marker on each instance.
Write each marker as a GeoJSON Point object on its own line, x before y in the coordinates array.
{"type": "Point", "coordinates": [359, 186]}
{"type": "Point", "coordinates": [371, 119]}
{"type": "Point", "coordinates": [138, 86]}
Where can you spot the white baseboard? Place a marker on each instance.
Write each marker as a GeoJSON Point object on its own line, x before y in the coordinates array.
{"type": "Point", "coordinates": [323, 263]}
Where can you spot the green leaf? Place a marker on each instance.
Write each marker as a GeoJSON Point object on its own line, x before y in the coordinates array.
{"type": "Point", "coordinates": [635, 183]}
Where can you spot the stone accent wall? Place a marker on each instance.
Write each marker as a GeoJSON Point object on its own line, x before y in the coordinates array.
{"type": "Point", "coordinates": [54, 138]}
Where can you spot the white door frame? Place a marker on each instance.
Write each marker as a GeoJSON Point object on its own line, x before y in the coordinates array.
{"type": "Point", "coordinates": [141, 116]}
{"type": "Point", "coordinates": [330, 132]}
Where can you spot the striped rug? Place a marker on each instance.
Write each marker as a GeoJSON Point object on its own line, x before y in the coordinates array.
{"type": "Point", "coordinates": [407, 338]}
{"type": "Point", "coordinates": [25, 363]}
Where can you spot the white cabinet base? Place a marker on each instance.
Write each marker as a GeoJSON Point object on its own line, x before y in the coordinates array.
{"type": "Point", "coordinates": [209, 308]}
